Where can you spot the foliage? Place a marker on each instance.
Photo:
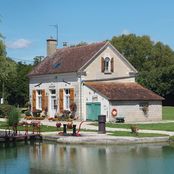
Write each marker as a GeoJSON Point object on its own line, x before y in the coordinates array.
{"type": "Point", "coordinates": [134, 129]}
{"type": "Point", "coordinates": [153, 60]}
{"type": "Point", "coordinates": [37, 113]}
{"type": "Point", "coordinates": [171, 138]}
{"type": "Point", "coordinates": [28, 113]}
{"type": "Point", "coordinates": [37, 60]}
{"type": "Point", "coordinates": [18, 89]}
{"type": "Point", "coordinates": [44, 128]}
{"type": "Point", "coordinates": [13, 117]}
{"type": "Point", "coordinates": [79, 44]}
{"type": "Point", "coordinates": [5, 110]}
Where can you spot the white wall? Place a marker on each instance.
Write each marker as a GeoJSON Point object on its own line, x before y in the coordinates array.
{"type": "Point", "coordinates": [133, 113]}
{"type": "Point", "coordinates": [90, 96]}
{"type": "Point", "coordinates": [121, 68]}
{"type": "Point", "coordinates": [55, 81]}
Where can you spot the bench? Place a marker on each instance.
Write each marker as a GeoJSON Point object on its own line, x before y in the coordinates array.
{"type": "Point", "coordinates": [119, 119]}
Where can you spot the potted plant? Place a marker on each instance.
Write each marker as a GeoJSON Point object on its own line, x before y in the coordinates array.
{"type": "Point", "coordinates": [145, 109]}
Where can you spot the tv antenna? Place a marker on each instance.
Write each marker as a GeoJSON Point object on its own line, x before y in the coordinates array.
{"type": "Point", "coordinates": [56, 27]}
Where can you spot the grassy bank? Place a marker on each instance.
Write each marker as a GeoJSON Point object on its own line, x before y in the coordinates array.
{"type": "Point", "coordinates": [152, 126]}
{"type": "Point", "coordinates": [43, 128]}
{"type": "Point", "coordinates": [139, 135]}
{"type": "Point", "coordinates": [168, 113]}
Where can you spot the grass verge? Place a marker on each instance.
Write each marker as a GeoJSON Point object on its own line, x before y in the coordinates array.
{"type": "Point", "coordinates": [151, 126]}
{"type": "Point", "coordinates": [44, 128]}
{"type": "Point", "coordinates": [168, 113]}
{"type": "Point", "coordinates": [139, 135]}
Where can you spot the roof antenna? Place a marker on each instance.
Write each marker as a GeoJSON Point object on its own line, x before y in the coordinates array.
{"type": "Point", "coordinates": [56, 27]}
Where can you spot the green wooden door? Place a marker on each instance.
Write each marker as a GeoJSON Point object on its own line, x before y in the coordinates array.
{"type": "Point", "coordinates": [93, 110]}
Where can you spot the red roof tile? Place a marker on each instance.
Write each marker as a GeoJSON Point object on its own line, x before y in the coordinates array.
{"type": "Point", "coordinates": [123, 91]}
{"type": "Point", "coordinates": [68, 59]}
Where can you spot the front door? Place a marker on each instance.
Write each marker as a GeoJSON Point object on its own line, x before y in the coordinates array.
{"type": "Point", "coordinates": [53, 103]}
{"type": "Point", "coordinates": [93, 110]}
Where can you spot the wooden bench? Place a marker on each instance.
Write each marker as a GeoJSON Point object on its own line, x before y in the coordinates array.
{"type": "Point", "coordinates": [119, 119]}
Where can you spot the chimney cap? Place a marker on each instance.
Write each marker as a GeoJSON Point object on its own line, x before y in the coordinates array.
{"type": "Point", "coordinates": [51, 39]}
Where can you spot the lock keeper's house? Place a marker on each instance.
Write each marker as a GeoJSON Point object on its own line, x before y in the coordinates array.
{"type": "Point", "coordinates": [97, 78]}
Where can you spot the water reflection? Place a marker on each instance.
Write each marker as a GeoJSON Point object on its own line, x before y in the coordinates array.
{"type": "Point", "coordinates": [47, 158]}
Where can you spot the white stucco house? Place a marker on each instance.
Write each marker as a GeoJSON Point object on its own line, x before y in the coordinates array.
{"type": "Point", "coordinates": [97, 78]}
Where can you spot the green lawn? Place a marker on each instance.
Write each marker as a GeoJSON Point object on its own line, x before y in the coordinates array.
{"type": "Point", "coordinates": [44, 128]}
{"type": "Point", "coordinates": [152, 126]}
{"type": "Point", "coordinates": [129, 134]}
{"type": "Point", "coordinates": [168, 113]}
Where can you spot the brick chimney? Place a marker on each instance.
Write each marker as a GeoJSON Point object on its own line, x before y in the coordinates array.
{"type": "Point", "coordinates": [51, 46]}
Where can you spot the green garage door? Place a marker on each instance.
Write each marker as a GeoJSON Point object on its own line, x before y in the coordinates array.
{"type": "Point", "coordinates": [93, 110]}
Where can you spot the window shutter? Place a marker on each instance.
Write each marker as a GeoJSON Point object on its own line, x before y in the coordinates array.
{"type": "Point", "coordinates": [102, 64]}
{"type": "Point", "coordinates": [43, 100]}
{"type": "Point", "coordinates": [112, 65]}
{"type": "Point", "coordinates": [61, 100]}
{"type": "Point", "coordinates": [46, 103]}
{"type": "Point", "coordinates": [34, 100]}
{"type": "Point", "coordinates": [71, 95]}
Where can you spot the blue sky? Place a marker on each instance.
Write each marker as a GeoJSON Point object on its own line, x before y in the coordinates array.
{"type": "Point", "coordinates": [26, 23]}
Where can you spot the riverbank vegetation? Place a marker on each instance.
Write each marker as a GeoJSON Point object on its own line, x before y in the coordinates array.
{"type": "Point", "coordinates": [147, 126]}
{"type": "Point", "coordinates": [139, 135]}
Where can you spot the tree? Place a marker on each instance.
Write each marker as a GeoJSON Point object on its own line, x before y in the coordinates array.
{"type": "Point", "coordinates": [37, 60]}
{"type": "Point", "coordinates": [142, 52]}
{"type": "Point", "coordinates": [18, 89]}
{"type": "Point", "coordinates": [154, 61]}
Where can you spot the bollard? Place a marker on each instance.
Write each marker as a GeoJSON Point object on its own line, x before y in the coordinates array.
{"type": "Point", "coordinates": [101, 124]}
{"type": "Point", "coordinates": [74, 130]}
{"type": "Point", "coordinates": [64, 128]}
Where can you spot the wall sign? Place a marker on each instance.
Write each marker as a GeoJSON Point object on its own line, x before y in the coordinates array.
{"type": "Point", "coordinates": [94, 98]}
{"type": "Point", "coordinates": [52, 86]}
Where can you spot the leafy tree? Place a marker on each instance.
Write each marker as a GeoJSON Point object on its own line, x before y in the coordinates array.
{"type": "Point", "coordinates": [154, 61]}
{"type": "Point", "coordinates": [18, 89]}
{"type": "Point", "coordinates": [142, 52]}
{"type": "Point", "coordinates": [37, 60]}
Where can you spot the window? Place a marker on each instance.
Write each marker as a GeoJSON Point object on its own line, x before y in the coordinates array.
{"type": "Point", "coordinates": [39, 99]}
{"type": "Point", "coordinates": [107, 64]}
{"type": "Point", "coordinates": [53, 99]}
{"type": "Point", "coordinates": [53, 91]}
{"type": "Point", "coordinates": [67, 99]}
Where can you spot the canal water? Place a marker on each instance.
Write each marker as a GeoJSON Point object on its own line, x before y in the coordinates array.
{"type": "Point", "coordinates": [50, 158]}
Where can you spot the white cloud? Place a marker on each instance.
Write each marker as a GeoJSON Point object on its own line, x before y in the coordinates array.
{"type": "Point", "coordinates": [20, 43]}
{"type": "Point", "coordinates": [125, 32]}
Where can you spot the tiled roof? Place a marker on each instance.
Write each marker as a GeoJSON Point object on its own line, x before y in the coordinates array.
{"type": "Point", "coordinates": [123, 91]}
{"type": "Point", "coordinates": [68, 59]}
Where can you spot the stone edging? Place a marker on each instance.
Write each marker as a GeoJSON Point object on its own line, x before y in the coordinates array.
{"type": "Point", "coordinates": [105, 140]}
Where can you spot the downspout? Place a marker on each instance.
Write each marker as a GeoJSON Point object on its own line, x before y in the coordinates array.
{"type": "Point", "coordinates": [80, 73]}
{"type": "Point", "coordinates": [80, 96]}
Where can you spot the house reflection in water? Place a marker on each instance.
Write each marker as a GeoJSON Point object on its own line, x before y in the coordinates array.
{"type": "Point", "coordinates": [55, 158]}
{"type": "Point", "coordinates": [45, 158]}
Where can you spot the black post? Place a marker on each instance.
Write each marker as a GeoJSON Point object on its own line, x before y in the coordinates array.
{"type": "Point", "coordinates": [101, 124]}
{"type": "Point", "coordinates": [74, 130]}
{"type": "Point", "coordinates": [64, 128]}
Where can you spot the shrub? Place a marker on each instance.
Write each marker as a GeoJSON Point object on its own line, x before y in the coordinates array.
{"type": "Point", "coordinates": [37, 113]}
{"type": "Point", "coordinates": [134, 129]}
{"type": "Point", "coordinates": [5, 110]}
{"type": "Point", "coordinates": [171, 138]}
{"type": "Point", "coordinates": [27, 113]}
{"type": "Point", "coordinates": [13, 117]}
